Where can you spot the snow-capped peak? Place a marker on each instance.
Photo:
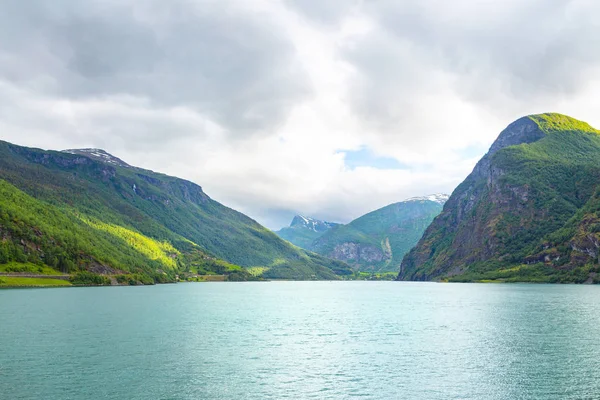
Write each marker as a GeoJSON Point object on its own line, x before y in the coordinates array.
{"type": "Point", "coordinates": [439, 198]}
{"type": "Point", "coordinates": [100, 155]}
{"type": "Point", "coordinates": [311, 223]}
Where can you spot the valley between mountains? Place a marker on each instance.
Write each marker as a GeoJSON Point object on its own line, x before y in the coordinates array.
{"type": "Point", "coordinates": [529, 212]}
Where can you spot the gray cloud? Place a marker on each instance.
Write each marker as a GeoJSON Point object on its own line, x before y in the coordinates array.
{"type": "Point", "coordinates": [540, 45]}
{"type": "Point", "coordinates": [326, 12]}
{"type": "Point", "coordinates": [230, 64]}
{"type": "Point", "coordinates": [169, 85]}
{"type": "Point", "coordinates": [493, 55]}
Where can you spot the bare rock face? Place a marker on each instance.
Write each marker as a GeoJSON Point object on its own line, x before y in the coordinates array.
{"type": "Point", "coordinates": [523, 130]}
{"type": "Point", "coordinates": [377, 241]}
{"type": "Point", "coordinates": [356, 252]}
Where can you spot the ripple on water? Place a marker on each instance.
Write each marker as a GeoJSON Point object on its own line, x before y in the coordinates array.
{"type": "Point", "coordinates": [311, 340]}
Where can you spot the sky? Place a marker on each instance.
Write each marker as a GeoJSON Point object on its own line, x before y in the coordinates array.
{"type": "Point", "coordinates": [328, 108]}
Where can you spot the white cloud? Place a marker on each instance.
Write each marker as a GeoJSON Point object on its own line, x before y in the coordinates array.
{"type": "Point", "coordinates": [257, 101]}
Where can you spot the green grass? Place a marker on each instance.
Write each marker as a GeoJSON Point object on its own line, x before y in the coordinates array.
{"type": "Point", "coordinates": [11, 281]}
{"type": "Point", "coordinates": [16, 267]}
{"type": "Point", "coordinates": [257, 271]}
{"type": "Point", "coordinates": [554, 122]}
{"type": "Point", "coordinates": [152, 249]}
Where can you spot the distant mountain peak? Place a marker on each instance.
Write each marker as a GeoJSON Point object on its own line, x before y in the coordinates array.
{"type": "Point", "coordinates": [316, 225]}
{"type": "Point", "coordinates": [100, 155]}
{"type": "Point", "coordinates": [532, 128]}
{"type": "Point", "coordinates": [300, 220]}
{"type": "Point", "coordinates": [439, 198]}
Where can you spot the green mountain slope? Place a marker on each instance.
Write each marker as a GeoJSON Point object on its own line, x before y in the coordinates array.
{"type": "Point", "coordinates": [377, 241]}
{"type": "Point", "coordinates": [527, 212]}
{"type": "Point", "coordinates": [99, 213]}
{"type": "Point", "coordinates": [303, 231]}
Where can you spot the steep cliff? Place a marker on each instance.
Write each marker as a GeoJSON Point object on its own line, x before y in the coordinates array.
{"type": "Point", "coordinates": [526, 212]}
{"type": "Point", "coordinates": [377, 241]}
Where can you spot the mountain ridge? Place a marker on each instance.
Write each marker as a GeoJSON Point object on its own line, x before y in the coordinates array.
{"type": "Point", "coordinates": [377, 241]}
{"type": "Point", "coordinates": [103, 193]}
{"type": "Point", "coordinates": [304, 230]}
{"type": "Point", "coordinates": [508, 219]}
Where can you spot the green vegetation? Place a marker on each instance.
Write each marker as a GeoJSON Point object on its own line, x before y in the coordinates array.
{"type": "Point", "coordinates": [532, 215]}
{"type": "Point", "coordinates": [372, 276]}
{"type": "Point", "coordinates": [152, 249]}
{"type": "Point", "coordinates": [302, 232]}
{"type": "Point", "coordinates": [72, 213]}
{"type": "Point", "coordinates": [554, 122]}
{"type": "Point", "coordinates": [49, 237]}
{"type": "Point", "coordinates": [27, 268]}
{"type": "Point", "coordinates": [85, 278]}
{"type": "Point", "coordinates": [209, 269]}
{"type": "Point", "coordinates": [13, 281]}
{"type": "Point", "coordinates": [534, 273]}
{"type": "Point", "coordinates": [307, 267]}
{"type": "Point", "coordinates": [257, 271]}
{"type": "Point", "coordinates": [377, 241]}
{"type": "Point", "coordinates": [299, 236]}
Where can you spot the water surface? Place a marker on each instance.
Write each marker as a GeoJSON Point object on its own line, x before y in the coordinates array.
{"type": "Point", "coordinates": [301, 340]}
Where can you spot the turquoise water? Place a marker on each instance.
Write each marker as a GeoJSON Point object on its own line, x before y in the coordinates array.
{"type": "Point", "coordinates": [301, 340]}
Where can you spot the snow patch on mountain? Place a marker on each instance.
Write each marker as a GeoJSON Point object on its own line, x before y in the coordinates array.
{"type": "Point", "coordinates": [100, 155]}
{"type": "Point", "coordinates": [312, 224]}
{"type": "Point", "coordinates": [439, 198]}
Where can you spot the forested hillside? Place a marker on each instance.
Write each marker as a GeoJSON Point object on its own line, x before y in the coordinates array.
{"type": "Point", "coordinates": [529, 211]}
{"type": "Point", "coordinates": [85, 210]}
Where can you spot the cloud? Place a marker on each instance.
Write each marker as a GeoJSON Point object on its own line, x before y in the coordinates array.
{"type": "Point", "coordinates": [217, 57]}
{"type": "Point", "coordinates": [325, 12]}
{"type": "Point", "coordinates": [329, 109]}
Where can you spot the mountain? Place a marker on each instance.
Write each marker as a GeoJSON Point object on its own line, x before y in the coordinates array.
{"type": "Point", "coordinates": [529, 211]}
{"type": "Point", "coordinates": [377, 241]}
{"type": "Point", "coordinates": [86, 210]}
{"type": "Point", "coordinates": [304, 230]}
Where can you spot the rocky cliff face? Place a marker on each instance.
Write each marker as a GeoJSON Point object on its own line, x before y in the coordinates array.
{"type": "Point", "coordinates": [377, 241]}
{"type": "Point", "coordinates": [536, 175]}
{"type": "Point", "coordinates": [460, 217]}
{"type": "Point", "coordinates": [357, 253]}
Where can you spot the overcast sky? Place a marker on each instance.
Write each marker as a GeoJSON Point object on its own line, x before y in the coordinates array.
{"type": "Point", "coordinates": [326, 108]}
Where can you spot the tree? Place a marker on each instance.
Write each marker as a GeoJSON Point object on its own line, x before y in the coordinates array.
{"type": "Point", "coordinates": [18, 254]}
{"type": "Point", "coordinates": [4, 253]}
